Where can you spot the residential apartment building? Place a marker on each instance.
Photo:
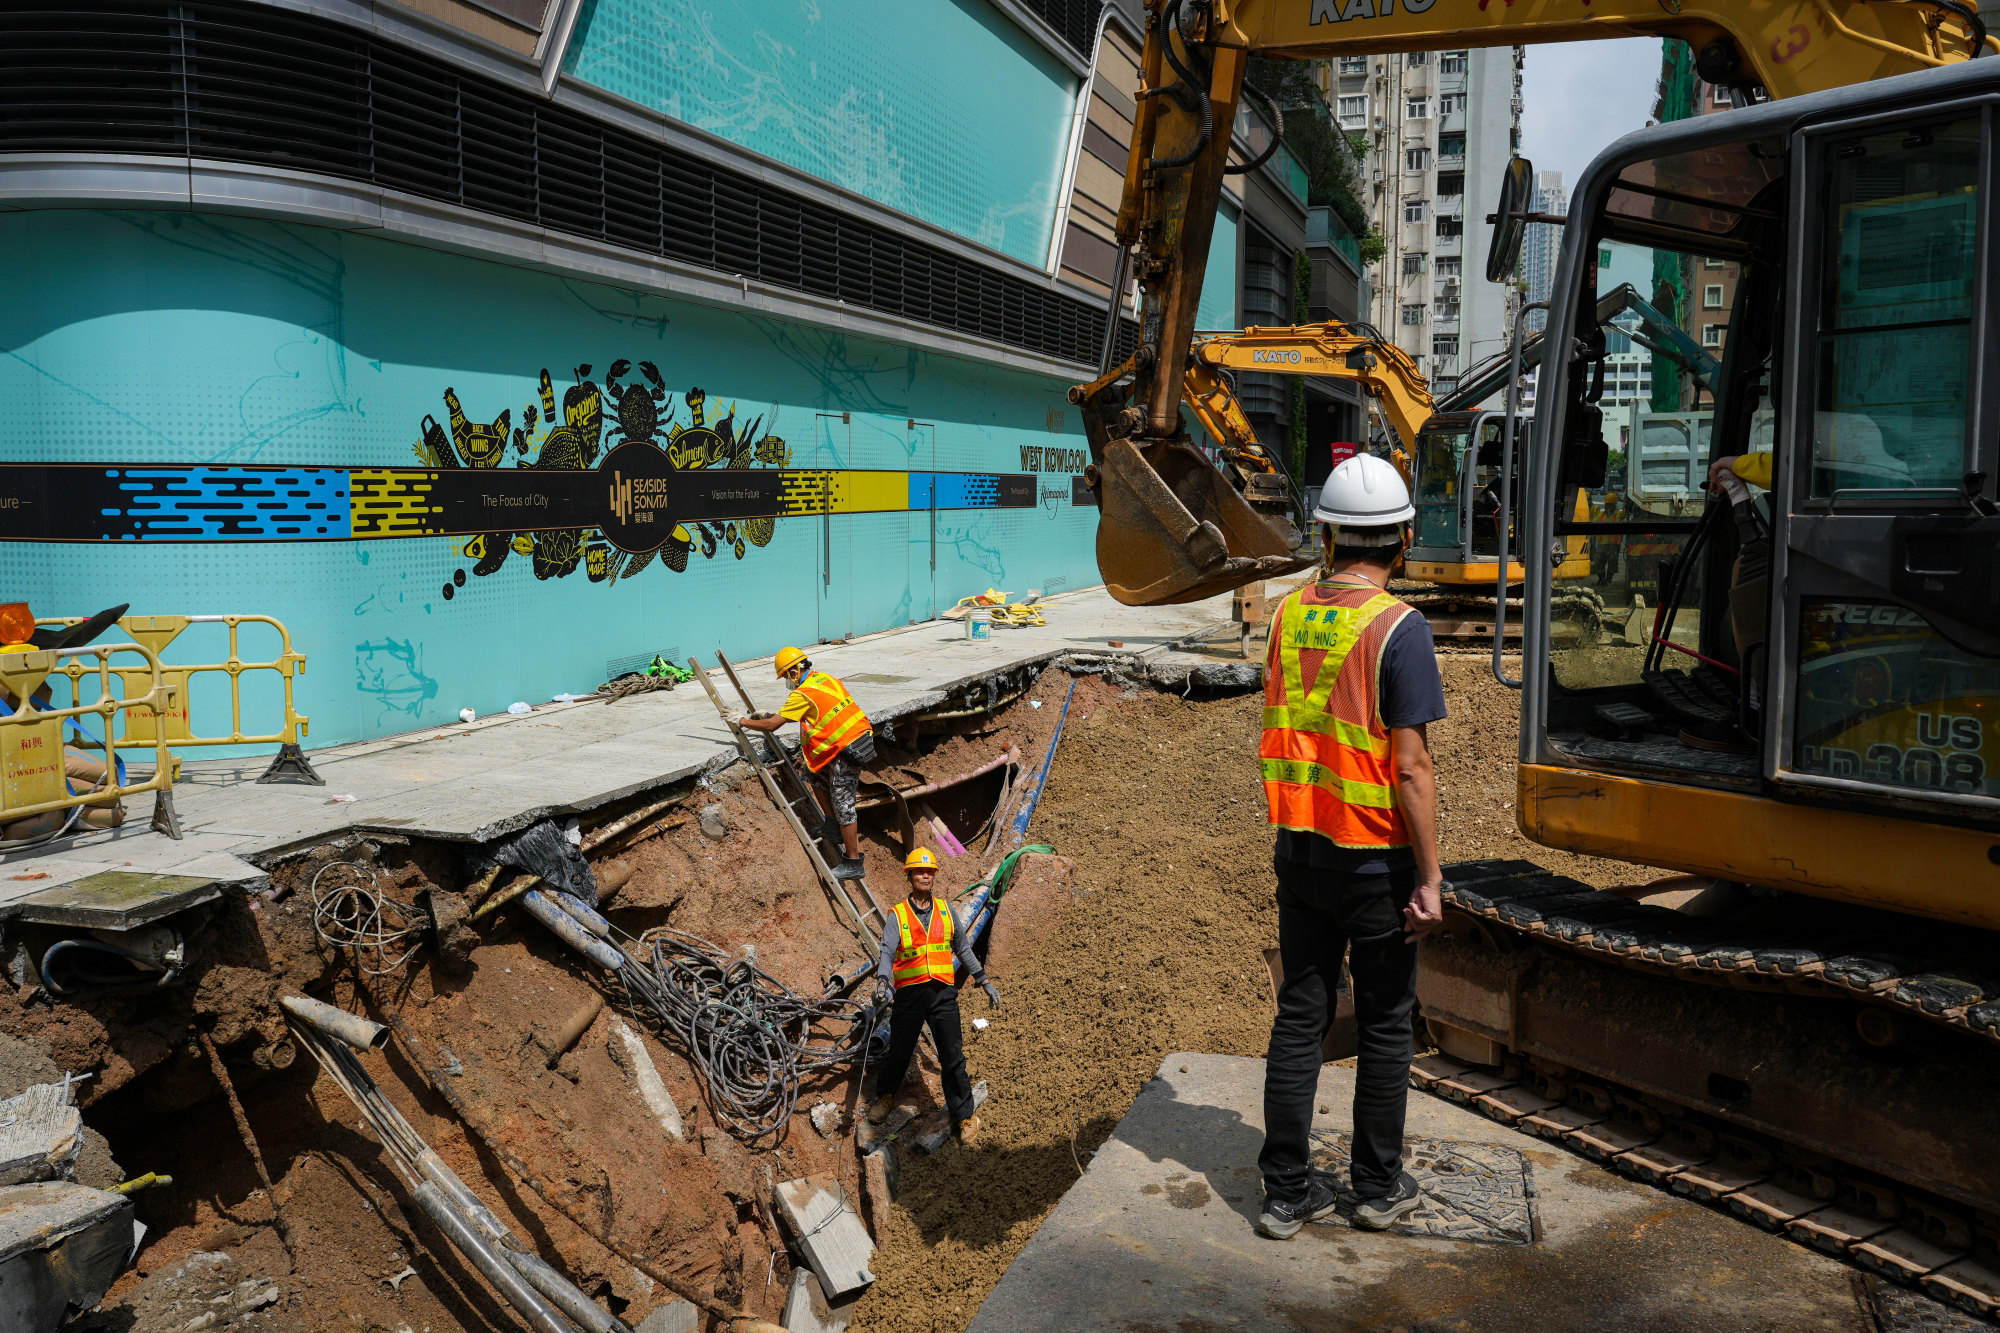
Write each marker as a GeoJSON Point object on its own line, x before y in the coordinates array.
{"type": "Point", "coordinates": [1541, 244]}
{"type": "Point", "coordinates": [1439, 127]}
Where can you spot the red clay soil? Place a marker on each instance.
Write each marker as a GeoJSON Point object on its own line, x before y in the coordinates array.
{"type": "Point", "coordinates": [1153, 945]}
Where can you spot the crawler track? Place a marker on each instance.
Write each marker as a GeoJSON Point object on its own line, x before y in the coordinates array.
{"type": "Point", "coordinates": [1831, 1074]}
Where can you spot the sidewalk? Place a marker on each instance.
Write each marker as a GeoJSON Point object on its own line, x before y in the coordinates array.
{"type": "Point", "coordinates": [472, 782]}
{"type": "Point", "coordinates": [1520, 1236]}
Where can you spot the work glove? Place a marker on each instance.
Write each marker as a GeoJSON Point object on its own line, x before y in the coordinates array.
{"type": "Point", "coordinates": [992, 994]}
{"type": "Point", "coordinates": [737, 716]}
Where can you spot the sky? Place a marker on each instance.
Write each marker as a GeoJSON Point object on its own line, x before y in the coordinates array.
{"type": "Point", "coordinates": [1577, 97]}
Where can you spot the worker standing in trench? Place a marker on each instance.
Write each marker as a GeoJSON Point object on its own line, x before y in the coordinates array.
{"type": "Point", "coordinates": [837, 740]}
{"type": "Point", "coordinates": [1350, 682]}
{"type": "Point", "coordinates": [921, 955]}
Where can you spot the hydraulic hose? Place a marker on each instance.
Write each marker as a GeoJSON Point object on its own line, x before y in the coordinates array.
{"type": "Point", "coordinates": [1198, 82]}
{"type": "Point", "coordinates": [1277, 132]}
{"type": "Point", "coordinates": [1967, 15]}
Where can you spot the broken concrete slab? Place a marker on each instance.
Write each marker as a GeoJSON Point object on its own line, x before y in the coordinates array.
{"type": "Point", "coordinates": [61, 1247]}
{"type": "Point", "coordinates": [807, 1309]}
{"type": "Point", "coordinates": [41, 1135]}
{"type": "Point", "coordinates": [1159, 1233]}
{"type": "Point", "coordinates": [676, 1316]}
{"type": "Point", "coordinates": [822, 1216]}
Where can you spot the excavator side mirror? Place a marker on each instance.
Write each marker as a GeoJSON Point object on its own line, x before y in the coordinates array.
{"type": "Point", "coordinates": [1509, 219]}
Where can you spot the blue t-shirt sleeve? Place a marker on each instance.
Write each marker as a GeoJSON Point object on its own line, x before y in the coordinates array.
{"type": "Point", "coordinates": [1412, 689]}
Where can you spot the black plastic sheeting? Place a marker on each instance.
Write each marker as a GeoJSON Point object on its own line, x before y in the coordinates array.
{"type": "Point", "coordinates": [543, 850]}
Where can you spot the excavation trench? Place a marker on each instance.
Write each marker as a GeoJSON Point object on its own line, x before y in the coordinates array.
{"type": "Point", "coordinates": [1143, 934]}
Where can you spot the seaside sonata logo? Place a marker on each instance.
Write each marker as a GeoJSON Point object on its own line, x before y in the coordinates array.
{"type": "Point", "coordinates": [639, 496]}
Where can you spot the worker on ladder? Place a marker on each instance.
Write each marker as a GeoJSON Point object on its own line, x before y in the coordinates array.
{"type": "Point", "coordinates": [1350, 682]}
{"type": "Point", "coordinates": [922, 954]}
{"type": "Point", "coordinates": [837, 740]}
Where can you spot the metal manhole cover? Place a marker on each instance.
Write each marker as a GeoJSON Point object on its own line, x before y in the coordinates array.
{"type": "Point", "coordinates": [1472, 1191]}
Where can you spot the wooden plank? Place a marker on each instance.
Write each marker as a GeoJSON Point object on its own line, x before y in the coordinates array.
{"type": "Point", "coordinates": [829, 1232]}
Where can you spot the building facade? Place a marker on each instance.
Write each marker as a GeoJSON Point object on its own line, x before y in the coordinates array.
{"type": "Point", "coordinates": [1541, 244]}
{"type": "Point", "coordinates": [496, 348]}
{"type": "Point", "coordinates": [1439, 127]}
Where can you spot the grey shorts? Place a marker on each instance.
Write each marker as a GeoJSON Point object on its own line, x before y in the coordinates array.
{"type": "Point", "coordinates": [840, 779]}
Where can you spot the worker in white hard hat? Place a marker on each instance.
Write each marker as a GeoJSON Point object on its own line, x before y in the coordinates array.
{"type": "Point", "coordinates": [1351, 682]}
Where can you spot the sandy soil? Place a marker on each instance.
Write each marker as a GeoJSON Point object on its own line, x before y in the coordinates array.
{"type": "Point", "coordinates": [1156, 804]}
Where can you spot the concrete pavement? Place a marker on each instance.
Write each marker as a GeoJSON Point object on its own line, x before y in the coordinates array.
{"type": "Point", "coordinates": [474, 782]}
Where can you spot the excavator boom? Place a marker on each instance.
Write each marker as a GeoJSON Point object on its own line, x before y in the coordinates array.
{"type": "Point", "coordinates": [1173, 529]}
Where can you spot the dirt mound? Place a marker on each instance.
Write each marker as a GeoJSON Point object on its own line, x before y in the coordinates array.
{"type": "Point", "coordinates": [1157, 804]}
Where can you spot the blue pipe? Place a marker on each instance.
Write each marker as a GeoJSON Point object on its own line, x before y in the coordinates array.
{"type": "Point", "coordinates": [1019, 828]}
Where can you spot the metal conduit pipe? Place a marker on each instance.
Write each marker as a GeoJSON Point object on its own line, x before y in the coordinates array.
{"type": "Point", "coordinates": [507, 1280]}
{"type": "Point", "coordinates": [348, 1029]}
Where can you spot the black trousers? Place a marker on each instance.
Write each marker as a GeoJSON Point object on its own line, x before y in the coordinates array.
{"type": "Point", "coordinates": [936, 1004]}
{"type": "Point", "coordinates": [1323, 914]}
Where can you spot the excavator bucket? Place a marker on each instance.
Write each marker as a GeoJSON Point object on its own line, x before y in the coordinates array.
{"type": "Point", "coordinates": [1171, 528]}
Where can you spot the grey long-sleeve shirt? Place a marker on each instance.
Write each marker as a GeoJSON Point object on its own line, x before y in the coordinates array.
{"type": "Point", "coordinates": [961, 946]}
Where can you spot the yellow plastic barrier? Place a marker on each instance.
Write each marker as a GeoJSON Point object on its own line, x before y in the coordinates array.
{"type": "Point", "coordinates": [142, 726]}
{"type": "Point", "coordinates": [33, 767]}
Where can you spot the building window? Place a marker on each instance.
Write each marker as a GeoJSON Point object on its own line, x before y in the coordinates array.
{"type": "Point", "coordinates": [1416, 59]}
{"type": "Point", "coordinates": [1451, 226]}
{"type": "Point", "coordinates": [1354, 64]}
{"type": "Point", "coordinates": [1412, 265]}
{"type": "Point", "coordinates": [1417, 108]}
{"type": "Point", "coordinates": [1711, 334]}
{"type": "Point", "coordinates": [1604, 259]}
{"type": "Point", "coordinates": [1447, 308]}
{"type": "Point", "coordinates": [1416, 159]}
{"type": "Point", "coordinates": [1444, 386]}
{"type": "Point", "coordinates": [1447, 266]}
{"type": "Point", "coordinates": [1444, 344]}
{"type": "Point", "coordinates": [1453, 62]}
{"type": "Point", "coordinates": [1711, 296]}
{"type": "Point", "coordinates": [1713, 263]}
{"type": "Point", "coordinates": [1451, 182]}
{"type": "Point", "coordinates": [1451, 145]}
{"type": "Point", "coordinates": [1353, 112]}
{"type": "Point", "coordinates": [1413, 314]}
{"type": "Point", "coordinates": [1450, 104]}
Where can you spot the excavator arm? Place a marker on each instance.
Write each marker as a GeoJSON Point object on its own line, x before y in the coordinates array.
{"type": "Point", "coordinates": [1171, 528]}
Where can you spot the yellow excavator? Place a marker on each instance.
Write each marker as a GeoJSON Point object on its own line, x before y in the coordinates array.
{"type": "Point", "coordinates": [1802, 1022]}
{"type": "Point", "coordinates": [1450, 459]}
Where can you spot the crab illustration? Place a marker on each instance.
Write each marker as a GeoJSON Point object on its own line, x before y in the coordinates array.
{"type": "Point", "coordinates": [636, 410]}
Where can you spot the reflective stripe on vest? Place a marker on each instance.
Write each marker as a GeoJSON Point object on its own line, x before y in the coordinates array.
{"type": "Point", "coordinates": [924, 955]}
{"type": "Point", "coordinates": [835, 722]}
{"type": "Point", "coordinates": [1325, 753]}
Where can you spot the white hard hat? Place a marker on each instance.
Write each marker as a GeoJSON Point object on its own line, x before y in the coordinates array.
{"type": "Point", "coordinates": [1364, 492]}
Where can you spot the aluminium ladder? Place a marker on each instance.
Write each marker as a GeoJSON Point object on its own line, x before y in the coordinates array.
{"type": "Point", "coordinates": [869, 918]}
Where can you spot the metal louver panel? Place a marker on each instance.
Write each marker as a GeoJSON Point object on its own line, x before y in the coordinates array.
{"type": "Point", "coordinates": [250, 83]}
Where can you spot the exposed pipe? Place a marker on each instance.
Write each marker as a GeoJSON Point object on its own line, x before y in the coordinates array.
{"type": "Point", "coordinates": [349, 1029]}
{"type": "Point", "coordinates": [506, 1279]}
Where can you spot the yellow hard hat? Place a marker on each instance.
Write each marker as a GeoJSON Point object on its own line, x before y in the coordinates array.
{"type": "Point", "coordinates": [920, 859]}
{"type": "Point", "coordinates": [789, 658]}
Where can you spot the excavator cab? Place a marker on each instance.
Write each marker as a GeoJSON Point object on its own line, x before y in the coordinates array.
{"type": "Point", "coordinates": [1456, 477]}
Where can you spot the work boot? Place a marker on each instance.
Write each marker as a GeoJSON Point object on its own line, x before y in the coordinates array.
{"type": "Point", "coordinates": [879, 1109]}
{"type": "Point", "coordinates": [1281, 1219]}
{"type": "Point", "coordinates": [848, 869]}
{"type": "Point", "coordinates": [1383, 1212]}
{"type": "Point", "coordinates": [968, 1130]}
{"type": "Point", "coordinates": [829, 829]}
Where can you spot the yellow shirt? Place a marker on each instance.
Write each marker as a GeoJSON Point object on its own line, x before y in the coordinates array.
{"type": "Point", "coordinates": [796, 708]}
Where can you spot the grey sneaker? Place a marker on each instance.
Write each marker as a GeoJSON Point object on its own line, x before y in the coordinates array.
{"type": "Point", "coordinates": [848, 869]}
{"type": "Point", "coordinates": [1281, 1220]}
{"type": "Point", "coordinates": [1379, 1214]}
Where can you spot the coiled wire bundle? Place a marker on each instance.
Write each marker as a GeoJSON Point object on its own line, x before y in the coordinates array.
{"type": "Point", "coordinates": [352, 916]}
{"type": "Point", "coordinates": [752, 1037]}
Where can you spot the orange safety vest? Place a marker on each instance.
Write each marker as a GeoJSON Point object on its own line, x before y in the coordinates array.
{"type": "Point", "coordinates": [924, 955]}
{"type": "Point", "coordinates": [1325, 752]}
{"type": "Point", "coordinates": [835, 722]}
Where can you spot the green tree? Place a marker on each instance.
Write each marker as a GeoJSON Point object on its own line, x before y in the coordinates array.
{"type": "Point", "coordinates": [1332, 158]}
